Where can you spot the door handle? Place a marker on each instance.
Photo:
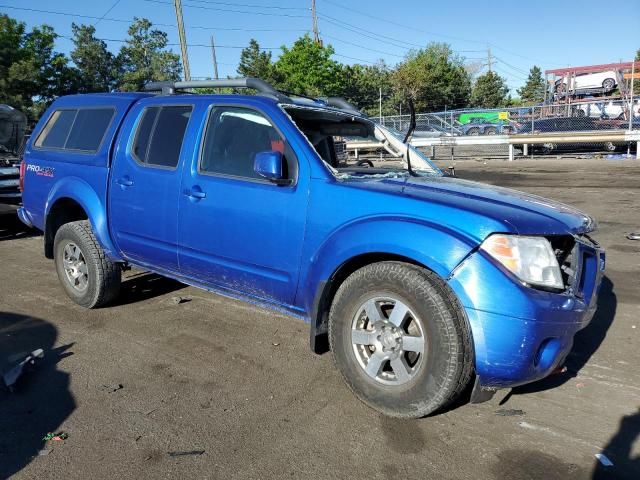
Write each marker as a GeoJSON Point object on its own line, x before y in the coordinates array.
{"type": "Point", "coordinates": [124, 182]}
{"type": "Point", "coordinates": [196, 194]}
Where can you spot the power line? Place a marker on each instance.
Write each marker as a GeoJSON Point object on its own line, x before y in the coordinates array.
{"type": "Point", "coordinates": [245, 12]}
{"type": "Point", "coordinates": [387, 21]}
{"type": "Point", "coordinates": [122, 20]}
{"type": "Point", "coordinates": [118, 40]}
{"type": "Point", "coordinates": [272, 7]}
{"type": "Point", "coordinates": [107, 12]}
{"type": "Point", "coordinates": [373, 35]}
{"type": "Point", "coordinates": [362, 46]}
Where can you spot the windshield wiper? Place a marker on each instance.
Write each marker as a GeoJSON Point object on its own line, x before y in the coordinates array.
{"type": "Point", "coordinates": [407, 138]}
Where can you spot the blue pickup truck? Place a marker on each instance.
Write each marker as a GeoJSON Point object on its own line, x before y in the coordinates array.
{"type": "Point", "coordinates": [419, 283]}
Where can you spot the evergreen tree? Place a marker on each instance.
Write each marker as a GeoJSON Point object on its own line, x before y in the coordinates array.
{"type": "Point", "coordinates": [144, 58]}
{"type": "Point", "coordinates": [97, 66]}
{"type": "Point", "coordinates": [255, 63]}
{"type": "Point", "coordinates": [532, 91]}
{"type": "Point", "coordinates": [489, 91]}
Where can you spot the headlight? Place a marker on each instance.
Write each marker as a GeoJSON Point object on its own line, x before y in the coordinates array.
{"type": "Point", "coordinates": [531, 259]}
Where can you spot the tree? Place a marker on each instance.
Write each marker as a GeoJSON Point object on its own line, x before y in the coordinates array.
{"type": "Point", "coordinates": [362, 86]}
{"type": "Point", "coordinates": [256, 63]}
{"type": "Point", "coordinates": [489, 91]}
{"type": "Point", "coordinates": [434, 77]}
{"type": "Point", "coordinates": [144, 58]}
{"type": "Point", "coordinates": [307, 68]}
{"type": "Point", "coordinates": [32, 74]}
{"type": "Point", "coordinates": [97, 66]}
{"type": "Point", "coordinates": [532, 92]}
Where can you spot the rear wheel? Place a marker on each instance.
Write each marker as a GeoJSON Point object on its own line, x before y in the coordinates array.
{"type": "Point", "coordinates": [490, 131]}
{"type": "Point", "coordinates": [87, 276]}
{"type": "Point", "coordinates": [609, 84]}
{"type": "Point", "coordinates": [610, 146]}
{"type": "Point", "coordinates": [399, 339]}
{"type": "Point", "coordinates": [473, 131]}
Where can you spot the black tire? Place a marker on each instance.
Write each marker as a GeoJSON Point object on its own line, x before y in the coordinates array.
{"type": "Point", "coordinates": [609, 84]}
{"type": "Point", "coordinates": [365, 163]}
{"type": "Point", "coordinates": [610, 146]}
{"type": "Point", "coordinates": [490, 131]}
{"type": "Point", "coordinates": [102, 276]}
{"type": "Point", "coordinates": [447, 367]}
{"type": "Point", "coordinates": [473, 131]}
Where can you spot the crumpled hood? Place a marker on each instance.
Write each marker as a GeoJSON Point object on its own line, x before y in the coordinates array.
{"type": "Point", "coordinates": [519, 212]}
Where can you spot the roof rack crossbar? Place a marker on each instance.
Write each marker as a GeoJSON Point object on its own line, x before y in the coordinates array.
{"type": "Point", "coordinates": [254, 83]}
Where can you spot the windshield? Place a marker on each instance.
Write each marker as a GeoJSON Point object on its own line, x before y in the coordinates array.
{"type": "Point", "coordinates": [357, 147]}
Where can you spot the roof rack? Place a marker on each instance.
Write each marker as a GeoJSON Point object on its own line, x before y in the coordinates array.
{"type": "Point", "coordinates": [169, 88]}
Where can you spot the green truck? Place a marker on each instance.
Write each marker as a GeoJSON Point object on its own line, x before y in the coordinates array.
{"type": "Point", "coordinates": [486, 117]}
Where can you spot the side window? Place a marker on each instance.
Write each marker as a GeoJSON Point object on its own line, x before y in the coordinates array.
{"type": "Point", "coordinates": [76, 129]}
{"type": "Point", "coordinates": [234, 135]}
{"type": "Point", "coordinates": [55, 132]}
{"type": "Point", "coordinates": [89, 129]}
{"type": "Point", "coordinates": [160, 134]}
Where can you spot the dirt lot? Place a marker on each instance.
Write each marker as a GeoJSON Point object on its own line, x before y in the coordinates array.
{"type": "Point", "coordinates": [237, 388]}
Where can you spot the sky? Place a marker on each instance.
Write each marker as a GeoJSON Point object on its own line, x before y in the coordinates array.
{"type": "Point", "coordinates": [518, 33]}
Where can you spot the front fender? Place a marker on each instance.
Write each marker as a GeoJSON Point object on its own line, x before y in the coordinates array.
{"type": "Point", "coordinates": [434, 246]}
{"type": "Point", "coordinates": [80, 191]}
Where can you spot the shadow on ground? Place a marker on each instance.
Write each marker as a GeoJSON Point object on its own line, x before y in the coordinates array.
{"type": "Point", "coordinates": [145, 285]}
{"type": "Point", "coordinates": [41, 400]}
{"type": "Point", "coordinates": [11, 227]}
{"type": "Point", "coordinates": [620, 450]}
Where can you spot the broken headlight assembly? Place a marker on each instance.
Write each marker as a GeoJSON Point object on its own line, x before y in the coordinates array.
{"type": "Point", "coordinates": [531, 259]}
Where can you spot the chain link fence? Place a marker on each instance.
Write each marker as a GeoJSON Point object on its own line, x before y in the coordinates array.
{"type": "Point", "coordinates": [569, 117]}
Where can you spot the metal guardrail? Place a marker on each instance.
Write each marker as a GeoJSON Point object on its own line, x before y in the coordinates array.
{"type": "Point", "coordinates": [621, 136]}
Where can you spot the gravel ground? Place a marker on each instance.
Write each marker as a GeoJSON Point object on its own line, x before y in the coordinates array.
{"type": "Point", "coordinates": [215, 388]}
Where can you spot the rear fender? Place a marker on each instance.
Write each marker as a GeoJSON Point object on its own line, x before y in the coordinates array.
{"type": "Point", "coordinates": [78, 190]}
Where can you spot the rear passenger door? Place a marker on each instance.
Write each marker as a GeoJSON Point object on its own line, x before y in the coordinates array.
{"type": "Point", "coordinates": [145, 183]}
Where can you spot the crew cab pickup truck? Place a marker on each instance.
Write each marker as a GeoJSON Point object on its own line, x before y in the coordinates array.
{"type": "Point", "coordinates": [419, 283]}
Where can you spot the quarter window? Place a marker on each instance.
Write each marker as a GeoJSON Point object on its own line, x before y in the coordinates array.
{"type": "Point", "coordinates": [76, 129]}
{"type": "Point", "coordinates": [234, 136]}
{"type": "Point", "coordinates": [160, 135]}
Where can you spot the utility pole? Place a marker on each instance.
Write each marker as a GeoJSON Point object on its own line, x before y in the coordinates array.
{"type": "Point", "coordinates": [215, 62]}
{"type": "Point", "coordinates": [380, 105]}
{"type": "Point", "coordinates": [314, 22]}
{"type": "Point", "coordinates": [489, 59]}
{"type": "Point", "coordinates": [183, 40]}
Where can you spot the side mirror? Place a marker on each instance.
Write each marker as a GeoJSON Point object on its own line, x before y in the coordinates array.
{"type": "Point", "coordinates": [270, 165]}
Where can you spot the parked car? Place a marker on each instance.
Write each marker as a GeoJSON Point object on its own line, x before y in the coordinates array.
{"type": "Point", "coordinates": [572, 124]}
{"type": "Point", "coordinates": [607, 81]}
{"type": "Point", "coordinates": [478, 126]}
{"type": "Point", "coordinates": [606, 110]}
{"type": "Point", "coordinates": [419, 283]}
{"type": "Point", "coordinates": [13, 124]}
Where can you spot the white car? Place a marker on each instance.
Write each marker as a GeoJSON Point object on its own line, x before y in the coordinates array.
{"type": "Point", "coordinates": [606, 80]}
{"type": "Point", "coordinates": [610, 109]}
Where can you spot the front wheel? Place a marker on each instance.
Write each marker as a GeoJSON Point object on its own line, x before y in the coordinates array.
{"type": "Point", "coordinates": [400, 339]}
{"type": "Point", "coordinates": [87, 276]}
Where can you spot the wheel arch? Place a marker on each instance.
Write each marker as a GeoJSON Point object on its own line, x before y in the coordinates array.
{"type": "Point", "coordinates": [73, 199]}
{"type": "Point", "coordinates": [334, 263]}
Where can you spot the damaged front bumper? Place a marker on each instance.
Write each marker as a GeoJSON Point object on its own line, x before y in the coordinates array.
{"type": "Point", "coordinates": [521, 334]}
